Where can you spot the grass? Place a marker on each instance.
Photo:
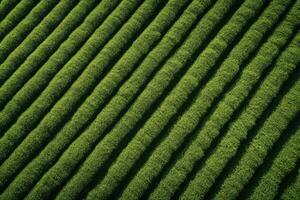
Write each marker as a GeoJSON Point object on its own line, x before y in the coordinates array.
{"type": "Point", "coordinates": [153, 99]}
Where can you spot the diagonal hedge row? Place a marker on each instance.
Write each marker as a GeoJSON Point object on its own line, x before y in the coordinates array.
{"type": "Point", "coordinates": [37, 35]}
{"type": "Point", "coordinates": [39, 40]}
{"type": "Point", "coordinates": [128, 91]}
{"type": "Point", "coordinates": [225, 109]}
{"type": "Point", "coordinates": [60, 83]}
{"type": "Point", "coordinates": [16, 36]}
{"type": "Point", "coordinates": [190, 119]}
{"type": "Point", "coordinates": [172, 103]}
{"type": "Point", "coordinates": [133, 99]}
{"type": "Point", "coordinates": [293, 191]}
{"type": "Point", "coordinates": [15, 16]}
{"type": "Point", "coordinates": [239, 129]}
{"type": "Point", "coordinates": [78, 150]}
{"type": "Point", "coordinates": [55, 64]}
{"type": "Point", "coordinates": [6, 6]}
{"type": "Point", "coordinates": [283, 164]}
{"type": "Point", "coordinates": [152, 33]}
{"type": "Point", "coordinates": [261, 144]}
{"type": "Point", "coordinates": [86, 111]}
{"type": "Point", "coordinates": [86, 80]}
{"type": "Point", "coordinates": [92, 73]}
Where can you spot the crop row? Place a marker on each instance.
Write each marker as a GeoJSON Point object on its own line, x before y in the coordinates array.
{"type": "Point", "coordinates": [189, 120]}
{"type": "Point", "coordinates": [39, 39]}
{"type": "Point", "coordinates": [282, 165]}
{"type": "Point", "coordinates": [237, 132]}
{"type": "Point", "coordinates": [135, 97]}
{"type": "Point", "coordinates": [261, 145]}
{"type": "Point", "coordinates": [15, 16]}
{"type": "Point", "coordinates": [172, 103]}
{"type": "Point", "coordinates": [224, 110]}
{"type": "Point", "coordinates": [127, 92]}
{"type": "Point", "coordinates": [293, 191]}
{"type": "Point", "coordinates": [63, 60]}
{"type": "Point", "coordinates": [17, 35]}
{"type": "Point", "coordinates": [6, 6]}
{"type": "Point", "coordinates": [62, 81]}
{"type": "Point", "coordinates": [90, 76]}
{"type": "Point", "coordinates": [73, 155]}
{"type": "Point", "coordinates": [149, 36]}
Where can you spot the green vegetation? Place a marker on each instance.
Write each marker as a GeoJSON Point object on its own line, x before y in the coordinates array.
{"type": "Point", "coordinates": [283, 164]}
{"type": "Point", "coordinates": [15, 36]}
{"type": "Point", "coordinates": [153, 99]}
{"type": "Point", "coordinates": [261, 144]}
{"type": "Point", "coordinates": [293, 191]}
{"type": "Point", "coordinates": [64, 136]}
{"type": "Point", "coordinates": [14, 17]}
{"type": "Point", "coordinates": [239, 129]}
{"type": "Point", "coordinates": [6, 6]}
{"type": "Point", "coordinates": [104, 118]}
{"type": "Point", "coordinates": [222, 113]}
{"type": "Point", "coordinates": [60, 58]}
{"type": "Point", "coordinates": [224, 110]}
{"type": "Point", "coordinates": [33, 41]}
{"type": "Point", "coordinates": [171, 104]}
{"type": "Point", "coordinates": [59, 84]}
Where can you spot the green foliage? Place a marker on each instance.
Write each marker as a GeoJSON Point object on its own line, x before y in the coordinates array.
{"type": "Point", "coordinates": [237, 132]}
{"type": "Point", "coordinates": [89, 77]}
{"type": "Point", "coordinates": [221, 115]}
{"type": "Point", "coordinates": [283, 164]}
{"type": "Point", "coordinates": [97, 98]}
{"type": "Point", "coordinates": [59, 65]}
{"type": "Point", "coordinates": [292, 192]}
{"type": "Point", "coordinates": [154, 99]}
{"type": "Point", "coordinates": [13, 39]}
{"type": "Point", "coordinates": [130, 88]}
{"type": "Point", "coordinates": [6, 6]}
{"type": "Point", "coordinates": [42, 38]}
{"type": "Point", "coordinates": [15, 16]}
{"type": "Point", "coordinates": [261, 144]}
{"type": "Point", "coordinates": [172, 103]}
{"type": "Point", "coordinates": [59, 84]}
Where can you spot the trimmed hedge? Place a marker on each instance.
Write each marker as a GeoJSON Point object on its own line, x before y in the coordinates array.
{"type": "Point", "coordinates": [59, 69]}
{"type": "Point", "coordinates": [284, 163]}
{"type": "Point", "coordinates": [91, 105]}
{"type": "Point", "coordinates": [154, 99]}
{"type": "Point", "coordinates": [15, 16]}
{"type": "Point", "coordinates": [224, 110]}
{"type": "Point", "coordinates": [13, 39]}
{"type": "Point", "coordinates": [189, 120]}
{"type": "Point", "coordinates": [6, 6]}
{"type": "Point", "coordinates": [293, 191]}
{"type": "Point", "coordinates": [239, 129]}
{"type": "Point", "coordinates": [104, 119]}
{"type": "Point", "coordinates": [261, 144]}
{"type": "Point", "coordinates": [171, 104]}
{"type": "Point", "coordinates": [45, 39]}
